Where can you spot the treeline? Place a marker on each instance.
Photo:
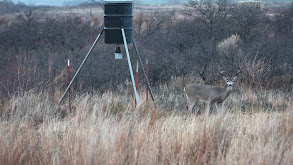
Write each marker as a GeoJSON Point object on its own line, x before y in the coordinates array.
{"type": "Point", "coordinates": [7, 7]}
{"type": "Point", "coordinates": [200, 40]}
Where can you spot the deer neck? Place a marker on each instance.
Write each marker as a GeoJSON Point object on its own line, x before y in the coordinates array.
{"type": "Point", "coordinates": [227, 90]}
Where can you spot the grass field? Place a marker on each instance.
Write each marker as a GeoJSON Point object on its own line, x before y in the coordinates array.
{"type": "Point", "coordinates": [106, 129]}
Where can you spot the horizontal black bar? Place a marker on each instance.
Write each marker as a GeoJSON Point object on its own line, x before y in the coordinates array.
{"type": "Point", "coordinates": [117, 28]}
{"type": "Point", "coordinates": [117, 15]}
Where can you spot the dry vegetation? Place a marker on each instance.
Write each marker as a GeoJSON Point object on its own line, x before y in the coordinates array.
{"type": "Point", "coordinates": [106, 129]}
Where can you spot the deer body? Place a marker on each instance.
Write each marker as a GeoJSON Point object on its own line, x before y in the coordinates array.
{"type": "Point", "coordinates": [210, 94]}
{"type": "Point", "coordinates": [207, 92]}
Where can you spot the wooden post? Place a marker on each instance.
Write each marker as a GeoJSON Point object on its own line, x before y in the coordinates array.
{"type": "Point", "coordinates": [68, 66]}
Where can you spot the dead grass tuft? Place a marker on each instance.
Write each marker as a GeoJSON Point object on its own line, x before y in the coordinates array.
{"type": "Point", "coordinates": [106, 129]}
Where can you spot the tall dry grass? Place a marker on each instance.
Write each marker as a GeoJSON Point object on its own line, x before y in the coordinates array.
{"type": "Point", "coordinates": [106, 129]}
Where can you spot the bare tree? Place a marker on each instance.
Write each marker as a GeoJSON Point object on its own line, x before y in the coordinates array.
{"type": "Point", "coordinates": [213, 15]}
{"type": "Point", "coordinates": [157, 21]}
{"type": "Point", "coordinates": [249, 19]}
{"type": "Point", "coordinates": [138, 21]}
{"type": "Point", "coordinates": [98, 2]}
{"type": "Point", "coordinates": [230, 52]}
{"type": "Point", "coordinates": [283, 24]}
{"type": "Point", "coordinates": [210, 22]}
{"type": "Point", "coordinates": [29, 17]}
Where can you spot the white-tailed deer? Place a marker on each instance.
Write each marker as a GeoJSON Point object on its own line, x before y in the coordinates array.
{"type": "Point", "coordinates": [210, 94]}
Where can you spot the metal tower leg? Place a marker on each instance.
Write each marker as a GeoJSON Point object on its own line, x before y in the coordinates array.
{"type": "Point", "coordinates": [81, 65]}
{"type": "Point", "coordinates": [144, 74]}
{"type": "Point", "coordinates": [130, 67]}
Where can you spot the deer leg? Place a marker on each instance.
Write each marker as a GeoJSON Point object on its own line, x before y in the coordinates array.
{"type": "Point", "coordinates": [191, 106]}
{"type": "Point", "coordinates": [223, 111]}
{"type": "Point", "coordinates": [209, 105]}
{"type": "Point", "coordinates": [217, 108]}
{"type": "Point", "coordinates": [208, 108]}
{"type": "Point", "coordinates": [188, 102]}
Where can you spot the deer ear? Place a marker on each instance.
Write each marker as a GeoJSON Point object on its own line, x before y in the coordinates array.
{"type": "Point", "coordinates": [234, 78]}
{"type": "Point", "coordinates": [225, 78]}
